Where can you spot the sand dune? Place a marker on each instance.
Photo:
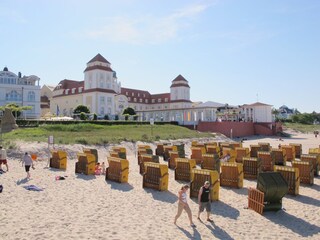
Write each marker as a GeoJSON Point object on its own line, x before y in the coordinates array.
{"type": "Point", "coordinates": [88, 207]}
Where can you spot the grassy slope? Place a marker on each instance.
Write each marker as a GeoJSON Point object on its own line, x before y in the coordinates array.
{"type": "Point", "coordinates": [305, 128]}
{"type": "Point", "coordinates": [98, 134]}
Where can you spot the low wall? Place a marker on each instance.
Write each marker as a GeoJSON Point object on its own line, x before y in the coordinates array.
{"type": "Point", "coordinates": [239, 129]}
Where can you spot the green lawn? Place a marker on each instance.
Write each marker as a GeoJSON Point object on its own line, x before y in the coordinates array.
{"type": "Point", "coordinates": [92, 134]}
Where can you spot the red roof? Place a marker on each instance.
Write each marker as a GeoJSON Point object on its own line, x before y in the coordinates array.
{"type": "Point", "coordinates": [141, 96]}
{"type": "Point", "coordinates": [179, 81]}
{"type": "Point", "coordinates": [100, 67]}
{"type": "Point", "coordinates": [69, 84]}
{"type": "Point", "coordinates": [99, 90]}
{"type": "Point", "coordinates": [98, 58]}
{"type": "Point", "coordinates": [179, 78]}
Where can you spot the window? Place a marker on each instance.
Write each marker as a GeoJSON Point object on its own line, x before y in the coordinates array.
{"type": "Point", "coordinates": [13, 96]}
{"type": "Point", "coordinates": [80, 89]}
{"type": "Point", "coordinates": [66, 91]}
{"type": "Point", "coordinates": [147, 101]}
{"type": "Point", "coordinates": [73, 90]}
{"type": "Point", "coordinates": [129, 98]}
{"type": "Point", "coordinates": [140, 100]}
{"type": "Point", "coordinates": [102, 100]}
{"type": "Point", "coordinates": [31, 96]}
{"type": "Point", "coordinates": [159, 100]}
{"type": "Point", "coordinates": [138, 94]}
{"type": "Point", "coordinates": [166, 99]}
{"type": "Point", "coordinates": [101, 83]}
{"type": "Point", "coordinates": [153, 100]}
{"type": "Point", "coordinates": [102, 111]}
{"type": "Point", "coordinates": [132, 94]}
{"type": "Point", "coordinates": [109, 100]}
{"type": "Point", "coordinates": [135, 100]}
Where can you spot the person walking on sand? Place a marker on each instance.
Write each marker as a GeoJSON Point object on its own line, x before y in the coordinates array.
{"type": "Point", "coordinates": [204, 200]}
{"type": "Point", "coordinates": [3, 158]}
{"type": "Point", "coordinates": [27, 162]}
{"type": "Point", "coordinates": [183, 204]}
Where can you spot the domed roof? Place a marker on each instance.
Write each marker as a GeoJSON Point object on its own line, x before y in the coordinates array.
{"type": "Point", "coordinates": [5, 69]}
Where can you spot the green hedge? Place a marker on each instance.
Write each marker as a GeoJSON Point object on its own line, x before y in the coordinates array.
{"type": "Point", "coordinates": [36, 123]}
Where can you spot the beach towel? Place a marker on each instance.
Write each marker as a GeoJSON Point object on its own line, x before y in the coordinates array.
{"type": "Point", "coordinates": [60, 178]}
{"type": "Point", "coordinates": [33, 188]}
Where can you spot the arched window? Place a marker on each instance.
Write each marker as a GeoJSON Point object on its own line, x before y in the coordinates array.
{"type": "Point", "coordinates": [13, 96]}
{"type": "Point", "coordinates": [31, 96]}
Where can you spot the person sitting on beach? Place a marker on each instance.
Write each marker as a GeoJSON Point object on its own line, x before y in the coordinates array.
{"type": "Point", "coordinates": [3, 158]}
{"type": "Point", "coordinates": [97, 170]}
{"type": "Point", "coordinates": [27, 162]}
{"type": "Point", "coordinates": [225, 158]}
{"type": "Point", "coordinates": [204, 200]}
{"type": "Point", "coordinates": [183, 204]}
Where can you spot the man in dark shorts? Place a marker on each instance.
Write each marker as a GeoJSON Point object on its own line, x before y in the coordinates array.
{"type": "Point", "coordinates": [204, 200]}
{"type": "Point", "coordinates": [3, 158]}
{"type": "Point", "coordinates": [27, 162]}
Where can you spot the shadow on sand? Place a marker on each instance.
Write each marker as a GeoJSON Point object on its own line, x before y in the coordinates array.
{"type": "Point", "coordinates": [315, 186]}
{"type": "Point", "coordinates": [224, 210]}
{"type": "Point", "coordinates": [195, 235]}
{"type": "Point", "coordinates": [240, 191]}
{"type": "Point", "coordinates": [218, 232]}
{"type": "Point", "coordinates": [22, 181]}
{"type": "Point", "coordinates": [305, 199]}
{"type": "Point", "coordinates": [85, 177]}
{"type": "Point", "coordinates": [165, 196]}
{"type": "Point", "coordinates": [297, 225]}
{"type": "Point", "coordinates": [124, 187]}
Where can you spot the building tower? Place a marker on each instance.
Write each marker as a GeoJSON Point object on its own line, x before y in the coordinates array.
{"type": "Point", "coordinates": [180, 92]}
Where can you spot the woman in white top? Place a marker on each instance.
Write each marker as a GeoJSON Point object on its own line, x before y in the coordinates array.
{"type": "Point", "coordinates": [183, 204]}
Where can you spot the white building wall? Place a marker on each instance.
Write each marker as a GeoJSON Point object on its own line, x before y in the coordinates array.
{"type": "Point", "coordinates": [262, 114]}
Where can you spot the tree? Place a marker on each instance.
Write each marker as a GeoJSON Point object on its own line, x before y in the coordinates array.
{"type": "Point", "coordinates": [15, 108]}
{"type": "Point", "coordinates": [81, 109]}
{"type": "Point", "coordinates": [128, 112]}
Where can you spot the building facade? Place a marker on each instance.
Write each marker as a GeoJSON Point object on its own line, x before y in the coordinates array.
{"type": "Point", "coordinates": [101, 92]}
{"type": "Point", "coordinates": [23, 91]}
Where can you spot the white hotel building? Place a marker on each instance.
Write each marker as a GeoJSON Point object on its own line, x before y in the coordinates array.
{"type": "Point", "coordinates": [23, 91]}
{"type": "Point", "coordinates": [101, 92]}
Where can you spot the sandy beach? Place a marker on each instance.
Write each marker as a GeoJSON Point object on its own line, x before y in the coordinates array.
{"type": "Point", "coordinates": [88, 207]}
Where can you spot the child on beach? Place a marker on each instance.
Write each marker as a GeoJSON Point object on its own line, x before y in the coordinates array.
{"type": "Point", "coordinates": [3, 158]}
{"type": "Point", "coordinates": [27, 162]}
{"type": "Point", "coordinates": [183, 204]}
{"type": "Point", "coordinates": [97, 170]}
{"type": "Point", "coordinates": [103, 168]}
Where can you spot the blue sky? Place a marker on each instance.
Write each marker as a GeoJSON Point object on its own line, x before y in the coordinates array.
{"type": "Point", "coordinates": [230, 51]}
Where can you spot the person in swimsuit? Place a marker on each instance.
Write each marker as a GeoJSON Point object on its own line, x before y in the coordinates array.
{"type": "Point", "coordinates": [183, 204]}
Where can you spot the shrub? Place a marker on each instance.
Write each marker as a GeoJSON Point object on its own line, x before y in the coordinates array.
{"type": "Point", "coordinates": [83, 116]}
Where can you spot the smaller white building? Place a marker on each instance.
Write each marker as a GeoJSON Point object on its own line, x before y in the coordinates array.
{"type": "Point", "coordinates": [23, 91]}
{"type": "Point", "coordinates": [257, 112]}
